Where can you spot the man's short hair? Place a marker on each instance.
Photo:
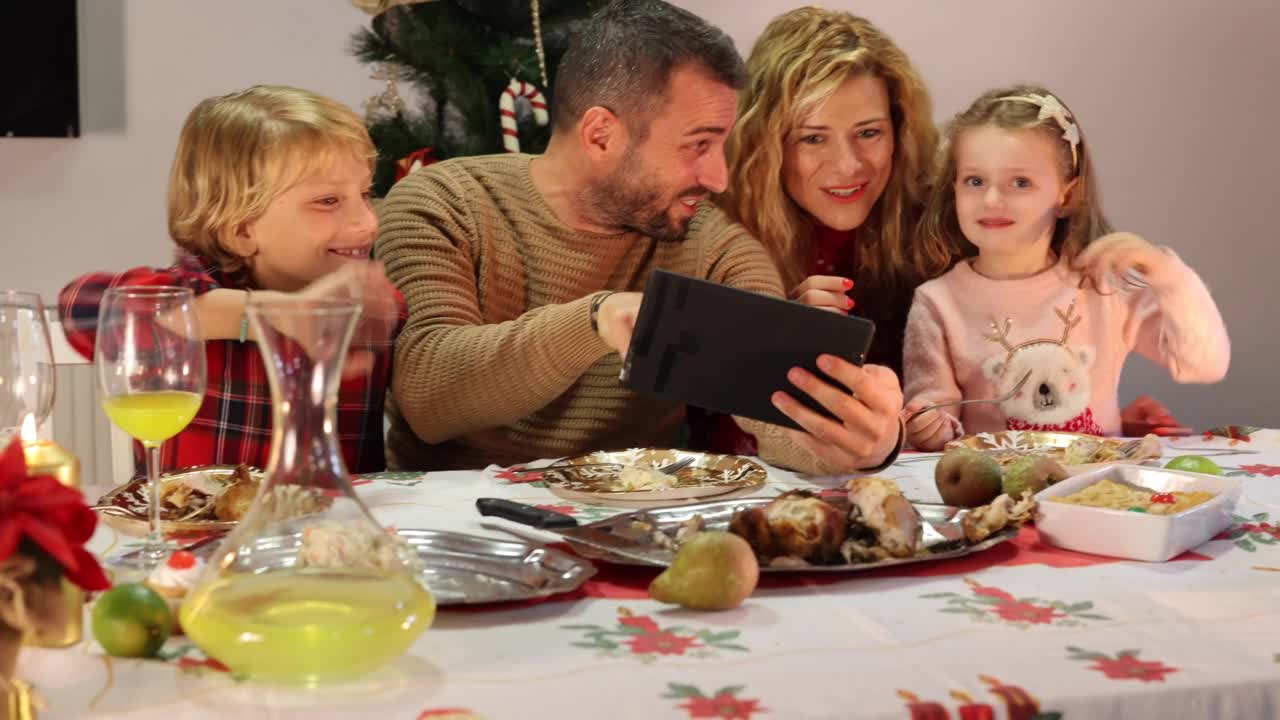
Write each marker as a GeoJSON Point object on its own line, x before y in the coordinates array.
{"type": "Point", "coordinates": [623, 57]}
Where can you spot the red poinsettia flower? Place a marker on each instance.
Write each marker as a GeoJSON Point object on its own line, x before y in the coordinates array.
{"type": "Point", "coordinates": [662, 643]}
{"type": "Point", "coordinates": [639, 621]}
{"type": "Point", "coordinates": [51, 514]}
{"type": "Point", "coordinates": [1027, 613]}
{"type": "Point", "coordinates": [991, 592]}
{"type": "Point", "coordinates": [187, 663]}
{"type": "Point", "coordinates": [518, 474]}
{"type": "Point", "coordinates": [448, 714]}
{"type": "Point", "coordinates": [1128, 667]}
{"type": "Point", "coordinates": [1267, 470]}
{"type": "Point", "coordinates": [724, 705]}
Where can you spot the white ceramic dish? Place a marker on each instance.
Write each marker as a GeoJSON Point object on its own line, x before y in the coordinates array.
{"type": "Point", "coordinates": [1133, 535]}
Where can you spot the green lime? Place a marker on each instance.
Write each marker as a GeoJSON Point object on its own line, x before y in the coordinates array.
{"type": "Point", "coordinates": [1194, 463]}
{"type": "Point", "coordinates": [131, 621]}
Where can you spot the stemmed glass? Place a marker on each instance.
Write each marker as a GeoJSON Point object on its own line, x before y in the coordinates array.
{"type": "Point", "coordinates": [26, 362]}
{"type": "Point", "coordinates": [150, 363]}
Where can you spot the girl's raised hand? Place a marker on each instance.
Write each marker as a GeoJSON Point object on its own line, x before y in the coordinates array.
{"type": "Point", "coordinates": [1111, 257]}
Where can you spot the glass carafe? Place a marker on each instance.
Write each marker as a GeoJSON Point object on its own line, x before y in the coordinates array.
{"type": "Point", "coordinates": [308, 588]}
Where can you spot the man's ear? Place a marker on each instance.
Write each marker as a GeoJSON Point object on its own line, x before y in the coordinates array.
{"type": "Point", "coordinates": [601, 133]}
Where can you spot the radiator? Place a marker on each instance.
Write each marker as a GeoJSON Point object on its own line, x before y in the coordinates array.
{"type": "Point", "coordinates": [78, 423]}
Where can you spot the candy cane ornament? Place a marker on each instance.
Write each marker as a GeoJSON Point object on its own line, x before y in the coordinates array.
{"type": "Point", "coordinates": [507, 111]}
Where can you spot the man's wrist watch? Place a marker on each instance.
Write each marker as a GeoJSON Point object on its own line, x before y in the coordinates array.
{"type": "Point", "coordinates": [596, 302]}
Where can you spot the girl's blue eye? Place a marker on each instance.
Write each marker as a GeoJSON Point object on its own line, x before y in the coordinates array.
{"type": "Point", "coordinates": [1021, 182]}
{"type": "Point", "coordinates": [870, 133]}
{"type": "Point", "coordinates": [812, 139]}
{"type": "Point", "coordinates": [973, 181]}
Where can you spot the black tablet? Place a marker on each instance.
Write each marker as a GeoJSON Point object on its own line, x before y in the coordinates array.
{"type": "Point", "coordinates": [728, 350]}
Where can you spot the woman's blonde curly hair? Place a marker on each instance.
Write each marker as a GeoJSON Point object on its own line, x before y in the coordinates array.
{"type": "Point", "coordinates": [798, 62]}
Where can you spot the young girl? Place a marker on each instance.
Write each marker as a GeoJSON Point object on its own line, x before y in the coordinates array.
{"type": "Point", "coordinates": [269, 193]}
{"type": "Point", "coordinates": [1046, 298]}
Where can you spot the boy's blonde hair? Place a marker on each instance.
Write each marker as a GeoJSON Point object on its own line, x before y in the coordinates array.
{"type": "Point", "coordinates": [238, 152]}
{"type": "Point", "coordinates": [1082, 220]}
{"type": "Point", "coordinates": [799, 61]}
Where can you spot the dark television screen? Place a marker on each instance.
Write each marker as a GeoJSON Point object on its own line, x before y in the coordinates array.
{"type": "Point", "coordinates": [39, 85]}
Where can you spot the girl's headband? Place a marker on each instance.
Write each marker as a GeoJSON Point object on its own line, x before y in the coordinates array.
{"type": "Point", "coordinates": [1051, 108]}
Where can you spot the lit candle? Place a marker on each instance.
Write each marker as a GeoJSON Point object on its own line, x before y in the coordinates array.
{"type": "Point", "coordinates": [45, 457]}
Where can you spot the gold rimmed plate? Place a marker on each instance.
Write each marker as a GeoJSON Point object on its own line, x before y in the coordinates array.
{"type": "Point", "coordinates": [1008, 445]}
{"type": "Point", "coordinates": [597, 477]}
{"type": "Point", "coordinates": [125, 508]}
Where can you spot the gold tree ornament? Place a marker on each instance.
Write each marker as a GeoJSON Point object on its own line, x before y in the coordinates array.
{"type": "Point", "coordinates": [377, 7]}
{"type": "Point", "coordinates": [388, 101]}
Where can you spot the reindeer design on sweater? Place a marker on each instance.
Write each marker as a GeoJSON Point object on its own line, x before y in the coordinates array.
{"type": "Point", "coordinates": [1056, 395]}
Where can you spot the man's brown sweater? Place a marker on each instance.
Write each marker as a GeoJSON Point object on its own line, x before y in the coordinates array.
{"type": "Point", "coordinates": [498, 362]}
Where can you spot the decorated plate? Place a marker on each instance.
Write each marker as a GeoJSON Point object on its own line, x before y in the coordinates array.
{"type": "Point", "coordinates": [631, 476]}
{"type": "Point", "coordinates": [1091, 451]}
{"type": "Point", "coordinates": [125, 508]}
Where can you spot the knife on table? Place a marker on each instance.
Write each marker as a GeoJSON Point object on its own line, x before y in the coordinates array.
{"type": "Point", "coordinates": [554, 527]}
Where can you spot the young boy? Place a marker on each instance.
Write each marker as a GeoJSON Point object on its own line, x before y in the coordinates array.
{"type": "Point", "coordinates": [269, 195]}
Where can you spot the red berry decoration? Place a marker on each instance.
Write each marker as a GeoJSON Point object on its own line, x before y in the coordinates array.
{"type": "Point", "coordinates": [1163, 499]}
{"type": "Point", "coordinates": [182, 560]}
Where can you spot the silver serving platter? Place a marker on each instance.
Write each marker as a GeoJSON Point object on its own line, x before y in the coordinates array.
{"type": "Point", "coordinates": [468, 569]}
{"type": "Point", "coordinates": [460, 569]}
{"type": "Point", "coordinates": [943, 537]}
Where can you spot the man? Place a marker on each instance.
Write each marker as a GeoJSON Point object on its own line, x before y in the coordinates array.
{"type": "Point", "coordinates": [523, 274]}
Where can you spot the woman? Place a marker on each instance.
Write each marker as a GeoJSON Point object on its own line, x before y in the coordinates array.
{"type": "Point", "coordinates": [828, 168]}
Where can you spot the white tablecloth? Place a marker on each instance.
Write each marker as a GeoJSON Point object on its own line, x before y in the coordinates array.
{"type": "Point", "coordinates": [1020, 631]}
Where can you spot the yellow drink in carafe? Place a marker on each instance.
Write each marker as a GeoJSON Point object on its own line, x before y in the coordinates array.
{"type": "Point", "coordinates": [153, 416]}
{"type": "Point", "coordinates": [308, 625]}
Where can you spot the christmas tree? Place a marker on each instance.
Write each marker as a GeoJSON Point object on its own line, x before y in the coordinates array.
{"type": "Point", "coordinates": [479, 74]}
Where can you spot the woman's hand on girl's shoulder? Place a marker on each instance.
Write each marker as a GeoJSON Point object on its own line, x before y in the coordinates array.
{"type": "Point", "coordinates": [826, 292]}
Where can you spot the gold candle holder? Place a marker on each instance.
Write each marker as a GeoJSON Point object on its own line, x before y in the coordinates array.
{"type": "Point", "coordinates": [45, 457]}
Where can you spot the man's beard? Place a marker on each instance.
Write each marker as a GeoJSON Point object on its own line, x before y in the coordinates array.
{"type": "Point", "coordinates": [636, 206]}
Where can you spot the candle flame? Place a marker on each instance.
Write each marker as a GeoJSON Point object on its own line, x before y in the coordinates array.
{"type": "Point", "coordinates": [28, 433]}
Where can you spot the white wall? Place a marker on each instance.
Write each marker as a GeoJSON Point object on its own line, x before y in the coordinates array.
{"type": "Point", "coordinates": [68, 206]}
{"type": "Point", "coordinates": [1174, 94]}
{"type": "Point", "coordinates": [1179, 101]}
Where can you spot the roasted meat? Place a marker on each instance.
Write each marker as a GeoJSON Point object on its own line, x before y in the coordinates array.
{"type": "Point", "coordinates": [879, 505]}
{"type": "Point", "coordinates": [981, 523]}
{"type": "Point", "coordinates": [796, 524]}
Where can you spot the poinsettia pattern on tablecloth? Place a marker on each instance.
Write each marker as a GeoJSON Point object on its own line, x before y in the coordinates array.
{"type": "Point", "coordinates": [985, 603]}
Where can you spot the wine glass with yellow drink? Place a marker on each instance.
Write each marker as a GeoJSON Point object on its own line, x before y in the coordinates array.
{"type": "Point", "coordinates": [150, 363]}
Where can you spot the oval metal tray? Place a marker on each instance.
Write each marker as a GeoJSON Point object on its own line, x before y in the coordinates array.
{"type": "Point", "coordinates": [460, 569]}
{"type": "Point", "coordinates": [943, 536]}
{"type": "Point", "coordinates": [469, 569]}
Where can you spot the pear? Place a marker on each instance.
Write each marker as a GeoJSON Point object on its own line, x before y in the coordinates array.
{"type": "Point", "coordinates": [713, 570]}
{"type": "Point", "coordinates": [967, 478]}
{"type": "Point", "coordinates": [1031, 473]}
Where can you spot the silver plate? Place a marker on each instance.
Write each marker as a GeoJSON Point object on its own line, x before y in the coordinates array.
{"type": "Point", "coordinates": [468, 569]}
{"type": "Point", "coordinates": [943, 536]}
{"type": "Point", "coordinates": [460, 569]}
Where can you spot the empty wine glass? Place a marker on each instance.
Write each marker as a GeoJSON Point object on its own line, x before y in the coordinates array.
{"type": "Point", "coordinates": [26, 362]}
